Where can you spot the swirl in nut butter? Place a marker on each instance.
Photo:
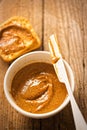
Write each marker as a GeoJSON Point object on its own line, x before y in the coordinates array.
{"type": "Point", "coordinates": [36, 88]}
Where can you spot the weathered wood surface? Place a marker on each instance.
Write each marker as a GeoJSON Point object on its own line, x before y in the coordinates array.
{"type": "Point", "coordinates": [68, 19]}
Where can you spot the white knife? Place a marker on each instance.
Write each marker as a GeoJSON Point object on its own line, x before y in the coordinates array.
{"type": "Point", "coordinates": [60, 70]}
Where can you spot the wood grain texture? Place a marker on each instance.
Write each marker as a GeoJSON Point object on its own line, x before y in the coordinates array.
{"type": "Point", "coordinates": [84, 108]}
{"type": "Point", "coordinates": [68, 19]}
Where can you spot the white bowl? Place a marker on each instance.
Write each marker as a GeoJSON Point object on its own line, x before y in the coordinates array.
{"type": "Point", "coordinates": [36, 56]}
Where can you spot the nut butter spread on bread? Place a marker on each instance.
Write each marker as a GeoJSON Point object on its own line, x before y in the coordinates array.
{"type": "Point", "coordinates": [16, 38]}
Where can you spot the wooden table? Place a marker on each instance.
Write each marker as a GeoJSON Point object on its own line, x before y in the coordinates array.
{"type": "Point", "coordinates": [68, 19]}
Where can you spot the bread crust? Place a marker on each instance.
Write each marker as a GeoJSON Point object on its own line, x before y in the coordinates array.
{"type": "Point", "coordinates": [16, 38]}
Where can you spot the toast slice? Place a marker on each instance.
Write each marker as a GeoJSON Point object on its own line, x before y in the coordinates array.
{"type": "Point", "coordinates": [16, 38]}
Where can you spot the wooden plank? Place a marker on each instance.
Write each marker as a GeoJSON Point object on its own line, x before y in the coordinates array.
{"type": "Point", "coordinates": [53, 23]}
{"type": "Point", "coordinates": [77, 49]}
{"type": "Point", "coordinates": [66, 19]}
{"type": "Point", "coordinates": [73, 13]}
{"type": "Point", "coordinates": [9, 118]}
{"type": "Point", "coordinates": [84, 108]}
{"type": "Point", "coordinates": [50, 123]}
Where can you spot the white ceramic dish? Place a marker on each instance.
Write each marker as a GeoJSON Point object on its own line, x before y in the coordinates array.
{"type": "Point", "coordinates": [36, 56]}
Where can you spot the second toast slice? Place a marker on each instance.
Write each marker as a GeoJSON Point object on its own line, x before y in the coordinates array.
{"type": "Point", "coordinates": [16, 38]}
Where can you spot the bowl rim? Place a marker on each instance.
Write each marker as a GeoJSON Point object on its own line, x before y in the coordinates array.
{"type": "Point", "coordinates": [34, 115]}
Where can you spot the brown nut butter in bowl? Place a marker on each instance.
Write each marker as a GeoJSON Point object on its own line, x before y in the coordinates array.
{"type": "Point", "coordinates": [36, 88]}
